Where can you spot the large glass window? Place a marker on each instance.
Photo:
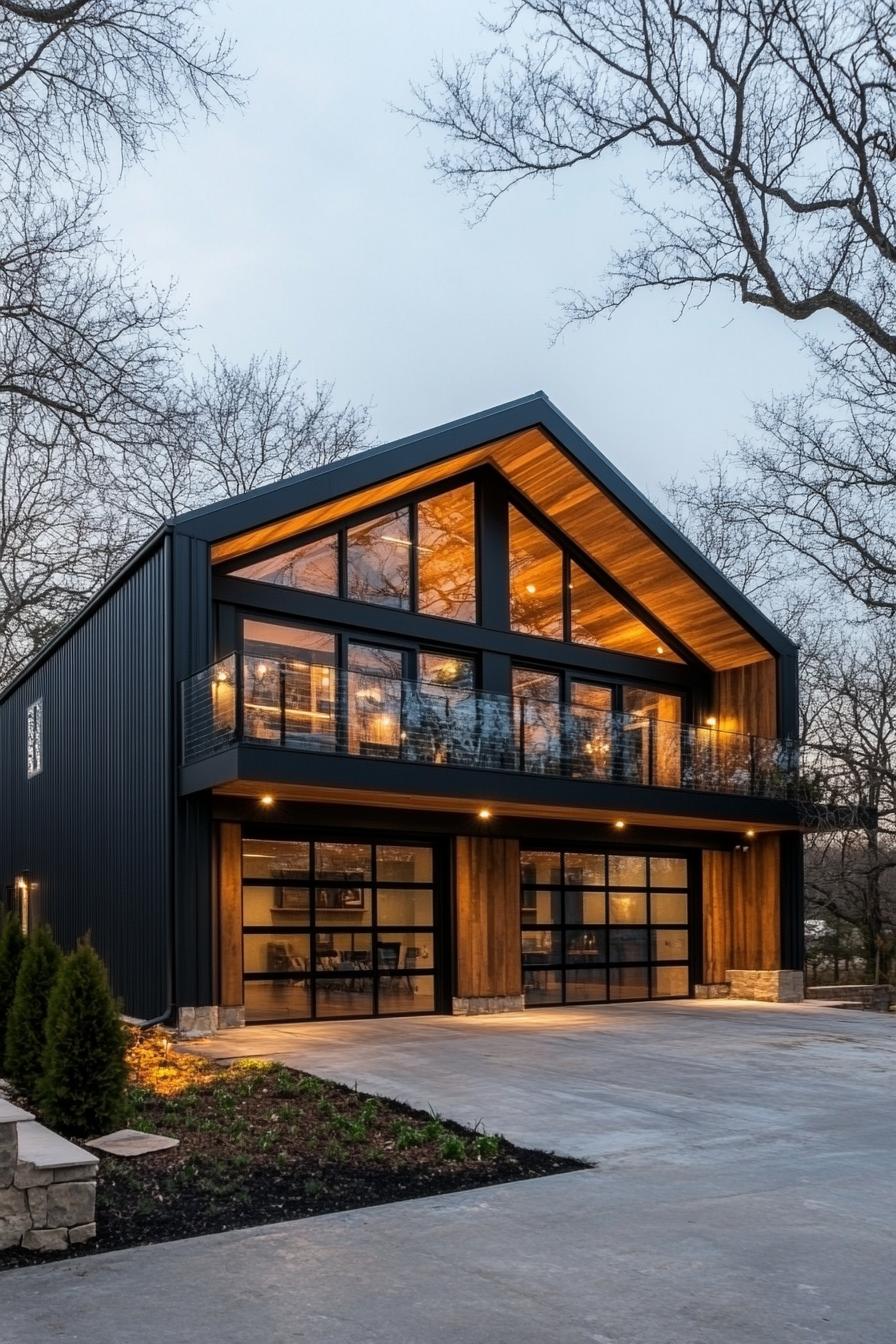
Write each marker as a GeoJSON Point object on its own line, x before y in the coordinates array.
{"type": "Point", "coordinates": [313, 567]}
{"type": "Point", "coordinates": [598, 619]}
{"type": "Point", "coordinates": [289, 685]}
{"type": "Point", "coordinates": [598, 926]}
{"type": "Point", "coordinates": [375, 680]}
{"type": "Point", "coordinates": [446, 555]}
{"type": "Point", "coordinates": [437, 535]}
{"type": "Point", "coordinates": [379, 561]}
{"type": "Point", "coordinates": [652, 736]}
{"type": "Point", "coordinates": [356, 938]}
{"type": "Point", "coordinates": [537, 721]}
{"type": "Point", "coordinates": [536, 580]}
{"type": "Point", "coordinates": [591, 730]}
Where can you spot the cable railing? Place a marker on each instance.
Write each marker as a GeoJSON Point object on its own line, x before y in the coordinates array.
{"type": "Point", "coordinates": [307, 706]}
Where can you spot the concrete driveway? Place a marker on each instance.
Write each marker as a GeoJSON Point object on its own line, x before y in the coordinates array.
{"type": "Point", "coordinates": [744, 1193]}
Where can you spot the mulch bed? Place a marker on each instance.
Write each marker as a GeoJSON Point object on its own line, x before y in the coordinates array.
{"type": "Point", "coordinates": [260, 1143]}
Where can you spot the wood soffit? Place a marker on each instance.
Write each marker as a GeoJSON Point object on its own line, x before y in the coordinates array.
{"type": "Point", "coordinates": [313, 793]}
{"type": "Point", "coordinates": [577, 505]}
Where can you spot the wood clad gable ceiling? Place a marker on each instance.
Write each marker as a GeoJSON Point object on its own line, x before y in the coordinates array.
{"type": "Point", "coordinates": [589, 514]}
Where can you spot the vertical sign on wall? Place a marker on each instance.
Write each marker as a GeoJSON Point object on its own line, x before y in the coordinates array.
{"type": "Point", "coordinates": [35, 738]}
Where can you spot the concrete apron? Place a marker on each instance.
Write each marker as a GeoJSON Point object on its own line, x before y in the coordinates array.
{"type": "Point", "coordinates": [744, 1193]}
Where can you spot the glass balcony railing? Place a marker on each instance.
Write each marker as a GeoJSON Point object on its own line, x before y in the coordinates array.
{"type": "Point", "coordinates": [314, 707]}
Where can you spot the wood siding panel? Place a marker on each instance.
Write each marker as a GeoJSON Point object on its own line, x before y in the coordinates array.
{"type": "Point", "coordinates": [746, 699]}
{"type": "Point", "coordinates": [741, 909]}
{"type": "Point", "coordinates": [487, 916]}
{"type": "Point", "coordinates": [230, 913]}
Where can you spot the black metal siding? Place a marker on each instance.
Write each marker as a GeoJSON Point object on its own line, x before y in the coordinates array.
{"type": "Point", "coordinates": [93, 829]}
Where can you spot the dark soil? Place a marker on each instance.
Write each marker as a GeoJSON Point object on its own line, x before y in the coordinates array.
{"type": "Point", "coordinates": [260, 1143]}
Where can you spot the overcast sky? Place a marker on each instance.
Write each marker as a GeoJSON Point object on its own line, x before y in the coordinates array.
{"type": "Point", "coordinates": [309, 222]}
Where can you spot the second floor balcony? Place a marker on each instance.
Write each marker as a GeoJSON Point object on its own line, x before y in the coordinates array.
{"type": "Point", "coordinates": [294, 706]}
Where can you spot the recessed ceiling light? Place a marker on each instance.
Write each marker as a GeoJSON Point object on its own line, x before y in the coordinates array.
{"type": "Point", "coordinates": [530, 587]}
{"type": "Point", "coordinates": [267, 800]}
{"type": "Point", "coordinates": [660, 649]}
{"type": "Point", "coordinates": [484, 814]}
{"type": "Point", "coordinates": [750, 834]}
{"type": "Point", "coordinates": [619, 825]}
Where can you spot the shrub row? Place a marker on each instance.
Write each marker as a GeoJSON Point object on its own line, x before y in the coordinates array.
{"type": "Point", "coordinates": [62, 1039]}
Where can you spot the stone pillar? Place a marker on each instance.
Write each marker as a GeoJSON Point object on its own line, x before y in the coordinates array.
{"type": "Point", "coordinates": [766, 986]}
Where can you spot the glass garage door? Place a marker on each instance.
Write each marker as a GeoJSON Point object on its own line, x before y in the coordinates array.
{"type": "Point", "coordinates": [599, 927]}
{"type": "Point", "coordinates": [337, 929]}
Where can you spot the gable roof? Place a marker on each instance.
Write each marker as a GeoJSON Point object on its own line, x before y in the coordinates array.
{"type": "Point", "coordinates": [563, 475]}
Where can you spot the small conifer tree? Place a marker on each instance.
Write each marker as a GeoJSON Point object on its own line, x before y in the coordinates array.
{"type": "Point", "coordinates": [26, 1023]}
{"type": "Point", "coordinates": [12, 945]}
{"type": "Point", "coordinates": [82, 1089]}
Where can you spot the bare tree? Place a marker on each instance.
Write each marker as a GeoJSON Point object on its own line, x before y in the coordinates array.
{"type": "Point", "coordinates": [237, 427]}
{"type": "Point", "coordinates": [851, 734]}
{"type": "Point", "coordinates": [773, 134]}
{"type": "Point", "coordinates": [58, 540]}
{"type": "Point", "coordinates": [773, 125]}
{"type": "Point", "coordinates": [80, 79]}
{"type": "Point", "coordinates": [90, 354]}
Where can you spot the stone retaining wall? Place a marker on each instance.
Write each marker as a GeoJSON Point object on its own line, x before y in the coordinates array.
{"type": "Point", "coordinates": [47, 1186]}
{"type": "Point", "coordinates": [877, 998]}
{"type": "Point", "coordinates": [499, 1003]}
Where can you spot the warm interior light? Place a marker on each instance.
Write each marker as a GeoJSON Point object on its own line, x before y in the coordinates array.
{"type": "Point", "coordinates": [619, 825]}
{"type": "Point", "coordinates": [267, 800]}
{"type": "Point", "coordinates": [261, 669]}
{"type": "Point", "coordinates": [484, 814]}
{"type": "Point", "coordinates": [711, 721]}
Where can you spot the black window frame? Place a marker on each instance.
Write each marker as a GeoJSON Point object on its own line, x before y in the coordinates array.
{"type": "Point", "coordinates": [562, 927]}
{"type": "Point", "coordinates": [438, 974]}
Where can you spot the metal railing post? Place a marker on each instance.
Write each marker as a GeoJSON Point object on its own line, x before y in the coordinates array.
{"type": "Point", "coordinates": [522, 741]}
{"type": "Point", "coordinates": [239, 701]}
{"type": "Point", "coordinates": [282, 683]}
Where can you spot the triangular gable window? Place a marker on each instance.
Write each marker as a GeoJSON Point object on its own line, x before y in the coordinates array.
{"type": "Point", "coordinates": [598, 619]}
{"type": "Point", "coordinates": [313, 567]}
{"type": "Point", "coordinates": [553, 597]}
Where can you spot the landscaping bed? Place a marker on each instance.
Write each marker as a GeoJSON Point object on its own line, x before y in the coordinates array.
{"type": "Point", "coordinates": [260, 1143]}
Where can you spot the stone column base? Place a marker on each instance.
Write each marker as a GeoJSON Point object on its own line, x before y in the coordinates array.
{"type": "Point", "coordinates": [766, 986]}
{"type": "Point", "coordinates": [208, 1019]}
{"type": "Point", "coordinates": [498, 1003]}
{"type": "Point", "coordinates": [719, 990]}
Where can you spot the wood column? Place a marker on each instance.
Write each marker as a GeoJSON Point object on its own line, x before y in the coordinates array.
{"type": "Point", "coordinates": [230, 913]}
{"type": "Point", "coordinates": [487, 920]}
{"type": "Point", "coordinates": [741, 909]}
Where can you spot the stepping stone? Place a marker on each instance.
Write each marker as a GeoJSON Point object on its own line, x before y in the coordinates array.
{"type": "Point", "coordinates": [132, 1143]}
